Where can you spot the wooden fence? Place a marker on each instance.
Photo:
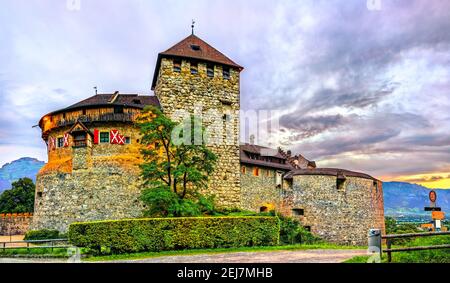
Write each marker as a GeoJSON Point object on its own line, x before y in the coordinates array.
{"type": "Point", "coordinates": [389, 250]}
{"type": "Point", "coordinates": [35, 244]}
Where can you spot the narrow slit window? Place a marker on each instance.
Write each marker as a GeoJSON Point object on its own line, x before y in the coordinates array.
{"type": "Point", "coordinates": [226, 73]}
{"type": "Point", "coordinates": [298, 211]}
{"type": "Point", "coordinates": [177, 65]}
{"type": "Point", "coordinates": [210, 70]}
{"type": "Point", "coordinates": [194, 68]}
{"type": "Point", "coordinates": [256, 171]}
{"type": "Point", "coordinates": [60, 142]}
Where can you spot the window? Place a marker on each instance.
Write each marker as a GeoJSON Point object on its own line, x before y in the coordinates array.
{"type": "Point", "coordinates": [60, 142]}
{"type": "Point", "coordinates": [195, 47]}
{"type": "Point", "coordinates": [340, 182]}
{"type": "Point", "coordinates": [298, 211]}
{"type": "Point", "coordinates": [84, 111]}
{"type": "Point", "coordinates": [279, 178]}
{"type": "Point", "coordinates": [243, 170]}
{"type": "Point", "coordinates": [307, 228]}
{"type": "Point", "coordinates": [268, 173]}
{"type": "Point", "coordinates": [263, 209]}
{"type": "Point", "coordinates": [255, 171]}
{"type": "Point", "coordinates": [127, 140]}
{"type": "Point", "coordinates": [104, 137]}
{"type": "Point", "coordinates": [177, 65]}
{"type": "Point", "coordinates": [194, 68]}
{"type": "Point", "coordinates": [226, 73]}
{"type": "Point", "coordinates": [136, 101]}
{"type": "Point", "coordinates": [39, 194]}
{"type": "Point", "coordinates": [118, 109]}
{"type": "Point", "coordinates": [210, 70]}
{"type": "Point", "coordinates": [79, 140]}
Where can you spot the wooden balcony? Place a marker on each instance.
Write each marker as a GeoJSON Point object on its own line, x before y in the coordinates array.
{"type": "Point", "coordinates": [108, 117]}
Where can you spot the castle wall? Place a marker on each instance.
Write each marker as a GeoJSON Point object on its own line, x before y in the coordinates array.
{"type": "Point", "coordinates": [260, 191]}
{"type": "Point", "coordinates": [341, 216]}
{"type": "Point", "coordinates": [15, 223]}
{"type": "Point", "coordinates": [108, 188]}
{"type": "Point", "coordinates": [184, 91]}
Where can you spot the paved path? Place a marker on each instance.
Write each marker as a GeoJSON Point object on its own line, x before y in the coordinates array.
{"type": "Point", "coordinates": [301, 256]}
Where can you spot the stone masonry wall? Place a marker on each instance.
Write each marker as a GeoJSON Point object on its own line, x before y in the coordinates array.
{"type": "Point", "coordinates": [340, 216]}
{"type": "Point", "coordinates": [15, 223]}
{"type": "Point", "coordinates": [185, 91]}
{"type": "Point", "coordinates": [107, 189]}
{"type": "Point", "coordinates": [260, 191]}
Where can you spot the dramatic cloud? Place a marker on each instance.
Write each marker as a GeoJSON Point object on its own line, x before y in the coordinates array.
{"type": "Point", "coordinates": [356, 88]}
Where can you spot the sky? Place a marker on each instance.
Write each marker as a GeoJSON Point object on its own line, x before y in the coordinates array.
{"type": "Point", "coordinates": [361, 85]}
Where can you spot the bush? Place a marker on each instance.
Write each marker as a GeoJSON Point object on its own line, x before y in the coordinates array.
{"type": "Point", "coordinates": [292, 232]}
{"type": "Point", "coordinates": [162, 202]}
{"type": "Point", "coordinates": [159, 234]}
{"type": "Point", "coordinates": [43, 234]}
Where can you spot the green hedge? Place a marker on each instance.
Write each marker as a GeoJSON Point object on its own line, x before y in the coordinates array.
{"type": "Point", "coordinates": [44, 234]}
{"type": "Point", "coordinates": [159, 234]}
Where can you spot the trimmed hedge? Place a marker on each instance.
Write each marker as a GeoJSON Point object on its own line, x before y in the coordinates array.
{"type": "Point", "coordinates": [159, 234]}
{"type": "Point", "coordinates": [43, 234]}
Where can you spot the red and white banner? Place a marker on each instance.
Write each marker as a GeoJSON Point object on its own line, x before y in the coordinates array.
{"type": "Point", "coordinates": [121, 140]}
{"type": "Point", "coordinates": [66, 139]}
{"type": "Point", "coordinates": [114, 137]}
{"type": "Point", "coordinates": [51, 143]}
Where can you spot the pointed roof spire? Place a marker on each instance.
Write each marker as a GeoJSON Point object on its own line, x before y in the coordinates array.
{"type": "Point", "coordinates": [192, 26]}
{"type": "Point", "coordinates": [193, 47]}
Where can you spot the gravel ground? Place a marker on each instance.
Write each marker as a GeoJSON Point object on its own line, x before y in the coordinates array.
{"type": "Point", "coordinates": [303, 256]}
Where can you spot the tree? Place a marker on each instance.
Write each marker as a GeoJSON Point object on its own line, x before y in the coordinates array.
{"type": "Point", "coordinates": [20, 198]}
{"type": "Point", "coordinates": [174, 173]}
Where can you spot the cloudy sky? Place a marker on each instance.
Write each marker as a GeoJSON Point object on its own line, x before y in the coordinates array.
{"type": "Point", "coordinates": [358, 86]}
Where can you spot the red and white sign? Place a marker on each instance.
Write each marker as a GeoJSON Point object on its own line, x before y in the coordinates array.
{"type": "Point", "coordinates": [121, 140]}
{"type": "Point", "coordinates": [51, 143]}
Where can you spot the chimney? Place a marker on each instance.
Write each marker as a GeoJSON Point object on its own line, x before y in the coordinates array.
{"type": "Point", "coordinates": [252, 139]}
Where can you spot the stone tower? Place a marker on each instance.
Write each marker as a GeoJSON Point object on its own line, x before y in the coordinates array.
{"type": "Point", "coordinates": [194, 77]}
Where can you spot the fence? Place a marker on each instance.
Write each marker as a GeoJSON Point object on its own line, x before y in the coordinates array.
{"type": "Point", "coordinates": [389, 250]}
{"type": "Point", "coordinates": [34, 244]}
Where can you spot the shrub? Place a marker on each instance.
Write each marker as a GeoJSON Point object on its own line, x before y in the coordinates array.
{"type": "Point", "coordinates": [43, 234]}
{"type": "Point", "coordinates": [292, 232]}
{"type": "Point", "coordinates": [159, 234]}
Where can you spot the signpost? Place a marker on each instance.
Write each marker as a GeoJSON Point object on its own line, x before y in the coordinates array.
{"type": "Point", "coordinates": [436, 214]}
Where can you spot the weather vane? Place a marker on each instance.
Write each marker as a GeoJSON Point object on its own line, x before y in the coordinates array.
{"type": "Point", "coordinates": [192, 26]}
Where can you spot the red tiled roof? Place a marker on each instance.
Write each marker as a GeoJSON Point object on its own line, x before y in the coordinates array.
{"type": "Point", "coordinates": [205, 52]}
{"type": "Point", "coordinates": [195, 48]}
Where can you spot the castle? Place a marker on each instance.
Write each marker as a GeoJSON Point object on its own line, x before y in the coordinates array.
{"type": "Point", "coordinates": [94, 156]}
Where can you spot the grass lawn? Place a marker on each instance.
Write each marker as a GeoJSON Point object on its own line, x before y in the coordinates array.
{"type": "Point", "coordinates": [44, 252]}
{"type": "Point", "coordinates": [144, 255]}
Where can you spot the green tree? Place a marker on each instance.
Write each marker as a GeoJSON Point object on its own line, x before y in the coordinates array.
{"type": "Point", "coordinates": [20, 198]}
{"type": "Point", "coordinates": [174, 173]}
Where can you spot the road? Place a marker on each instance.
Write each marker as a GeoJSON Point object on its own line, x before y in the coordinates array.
{"type": "Point", "coordinates": [300, 256]}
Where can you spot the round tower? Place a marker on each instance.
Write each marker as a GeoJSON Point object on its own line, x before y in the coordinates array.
{"type": "Point", "coordinates": [93, 162]}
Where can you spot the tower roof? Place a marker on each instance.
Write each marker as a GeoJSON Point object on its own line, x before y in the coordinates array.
{"type": "Point", "coordinates": [195, 48]}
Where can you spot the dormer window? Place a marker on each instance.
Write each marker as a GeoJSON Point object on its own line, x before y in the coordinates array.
{"type": "Point", "coordinates": [210, 70]}
{"type": "Point", "coordinates": [136, 101]}
{"type": "Point", "coordinates": [177, 65]}
{"type": "Point", "coordinates": [195, 47]}
{"type": "Point", "coordinates": [226, 73]}
{"type": "Point", "coordinates": [194, 68]}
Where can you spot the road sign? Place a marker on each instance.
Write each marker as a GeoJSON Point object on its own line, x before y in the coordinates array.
{"type": "Point", "coordinates": [437, 215]}
{"type": "Point", "coordinates": [433, 196]}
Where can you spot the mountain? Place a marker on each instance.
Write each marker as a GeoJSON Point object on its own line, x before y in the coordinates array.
{"type": "Point", "coordinates": [408, 200]}
{"type": "Point", "coordinates": [23, 167]}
